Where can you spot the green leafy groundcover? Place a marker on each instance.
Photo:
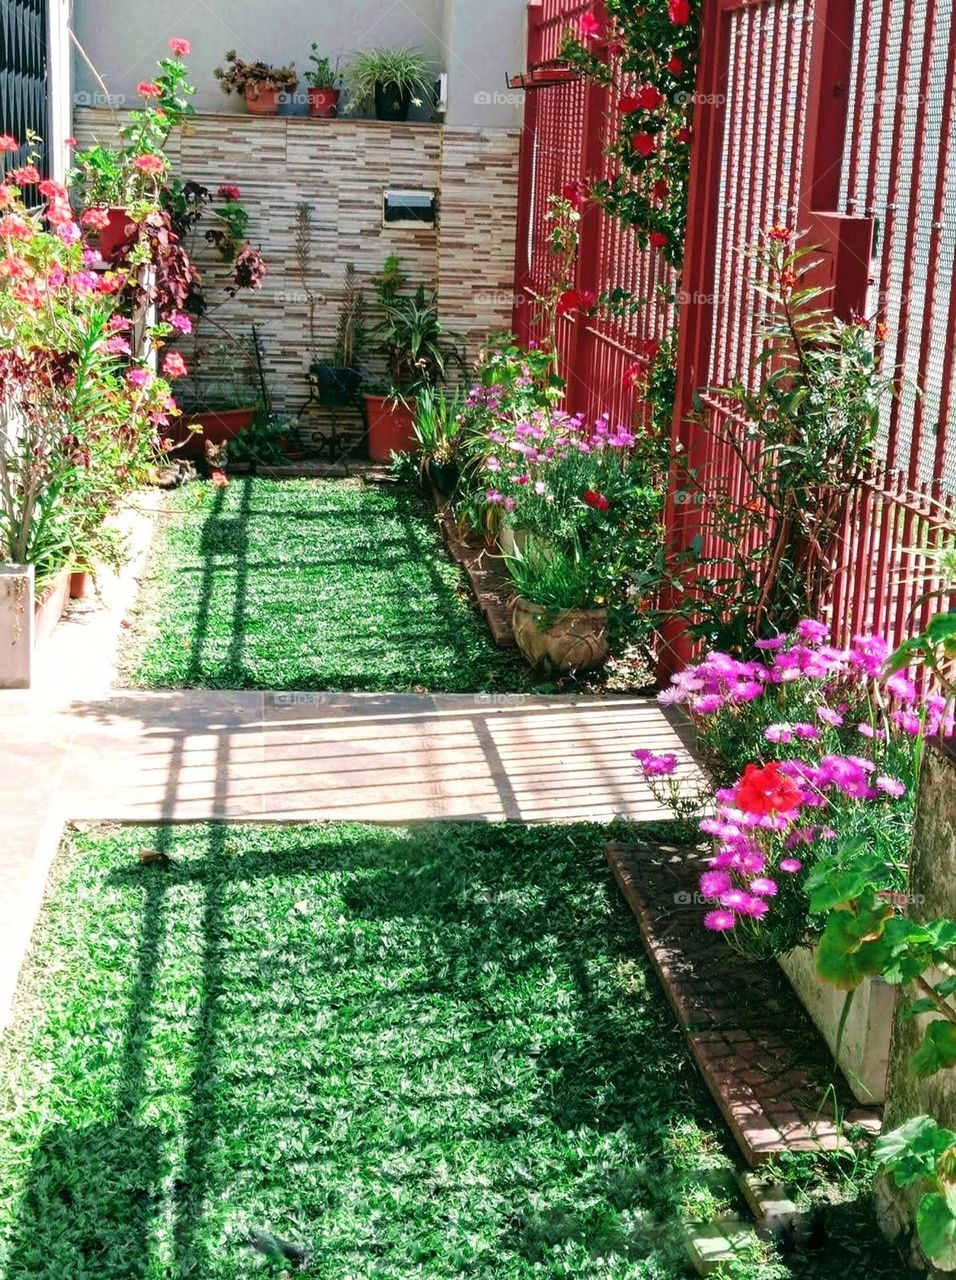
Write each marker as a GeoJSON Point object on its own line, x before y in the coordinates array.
{"type": "Point", "coordinates": [425, 1052]}
{"type": "Point", "coordinates": [308, 584]}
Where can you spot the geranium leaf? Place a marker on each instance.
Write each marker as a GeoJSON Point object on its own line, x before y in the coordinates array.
{"type": "Point", "coordinates": [936, 1227]}
{"type": "Point", "coordinates": [938, 1050]}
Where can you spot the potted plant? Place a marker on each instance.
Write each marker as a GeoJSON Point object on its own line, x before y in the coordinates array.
{"type": "Point", "coordinates": [438, 424]}
{"type": "Point", "coordinates": [261, 84]}
{"type": "Point", "coordinates": [325, 86]}
{"type": "Point", "coordinates": [392, 79]}
{"type": "Point", "coordinates": [220, 399]}
{"type": "Point", "coordinates": [338, 382]}
{"type": "Point", "coordinates": [558, 623]}
{"type": "Point", "coordinates": [413, 345]}
{"type": "Point", "coordinates": [120, 186]}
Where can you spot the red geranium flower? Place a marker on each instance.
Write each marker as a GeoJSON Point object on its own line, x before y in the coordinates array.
{"type": "Point", "coordinates": [766, 790]}
{"type": "Point", "coordinates": [780, 234]}
{"type": "Point", "coordinates": [180, 47]}
{"type": "Point", "coordinates": [25, 176]}
{"type": "Point", "coordinates": [219, 479]}
{"type": "Point", "coordinates": [149, 89]}
{"type": "Point", "coordinates": [229, 192]}
{"type": "Point", "coordinates": [575, 299]}
{"type": "Point", "coordinates": [149, 163]}
{"type": "Point", "coordinates": [575, 192]}
{"type": "Point", "coordinates": [644, 143]}
{"type": "Point", "coordinates": [174, 366]}
{"type": "Point", "coordinates": [8, 142]}
{"type": "Point", "coordinates": [596, 500]}
{"type": "Point", "coordinates": [679, 12]}
{"type": "Point", "coordinates": [588, 26]}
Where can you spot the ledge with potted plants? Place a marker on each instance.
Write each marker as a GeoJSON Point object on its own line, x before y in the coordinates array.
{"type": "Point", "coordinates": [390, 81]}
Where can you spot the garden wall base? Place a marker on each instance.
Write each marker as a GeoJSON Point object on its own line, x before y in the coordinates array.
{"type": "Point", "coordinates": [864, 1049]}
{"type": "Point", "coordinates": [16, 626]}
{"type": "Point", "coordinates": [933, 896]}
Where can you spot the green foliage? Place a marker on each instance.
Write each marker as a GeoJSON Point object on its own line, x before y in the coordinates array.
{"type": "Point", "coordinates": [934, 649]}
{"type": "Point", "coordinates": [556, 577]}
{"type": "Point", "coordinates": [309, 585]}
{"type": "Point", "coordinates": [921, 1152]}
{"type": "Point", "coordinates": [409, 335]}
{"type": "Point", "coordinates": [323, 73]}
{"type": "Point", "coordinates": [403, 69]}
{"type": "Point", "coordinates": [433, 1051]}
{"type": "Point", "coordinates": [260, 444]}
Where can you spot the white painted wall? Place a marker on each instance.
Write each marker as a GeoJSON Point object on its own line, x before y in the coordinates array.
{"type": "Point", "coordinates": [476, 41]}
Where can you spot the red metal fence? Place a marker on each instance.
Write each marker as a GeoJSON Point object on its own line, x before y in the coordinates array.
{"type": "Point", "coordinates": [833, 116]}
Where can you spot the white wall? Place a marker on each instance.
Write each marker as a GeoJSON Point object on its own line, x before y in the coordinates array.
{"type": "Point", "coordinates": [475, 41]}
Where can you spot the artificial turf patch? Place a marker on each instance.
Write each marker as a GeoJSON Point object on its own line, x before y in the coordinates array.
{"type": "Point", "coordinates": [309, 584]}
{"type": "Point", "coordinates": [425, 1052]}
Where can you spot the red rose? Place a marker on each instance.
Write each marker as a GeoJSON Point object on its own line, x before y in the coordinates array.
{"type": "Point", "coordinates": [576, 193]}
{"type": "Point", "coordinates": [596, 500]}
{"type": "Point", "coordinates": [644, 143]}
{"type": "Point", "coordinates": [628, 104]}
{"type": "Point", "coordinates": [174, 366]}
{"type": "Point", "coordinates": [658, 239]}
{"type": "Point", "coordinates": [679, 12]}
{"type": "Point", "coordinates": [683, 135]}
{"type": "Point", "coordinates": [676, 65]}
{"type": "Point", "coordinates": [649, 97]}
{"type": "Point", "coordinates": [660, 189]}
{"type": "Point", "coordinates": [588, 26]}
{"type": "Point", "coordinates": [569, 302]}
{"type": "Point", "coordinates": [762, 791]}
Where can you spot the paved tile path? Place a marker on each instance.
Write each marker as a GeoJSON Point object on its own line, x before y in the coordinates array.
{"type": "Point", "coordinates": [77, 750]}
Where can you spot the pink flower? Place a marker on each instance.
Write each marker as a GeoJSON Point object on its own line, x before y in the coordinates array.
{"type": "Point", "coordinates": [656, 764]}
{"type": "Point", "coordinates": [719, 921]}
{"type": "Point", "coordinates": [149, 89]}
{"type": "Point", "coordinates": [829, 717]}
{"type": "Point", "coordinates": [790, 865]}
{"type": "Point", "coordinates": [714, 883]}
{"type": "Point", "coordinates": [219, 479]}
{"type": "Point", "coordinates": [734, 899]}
{"type": "Point", "coordinates": [8, 143]}
{"type": "Point", "coordinates": [900, 686]}
{"type": "Point", "coordinates": [174, 366]}
{"type": "Point", "coordinates": [180, 47]}
{"type": "Point", "coordinates": [494, 497]}
{"type": "Point", "coordinates": [118, 346]}
{"type": "Point", "coordinates": [139, 377]}
{"type": "Point", "coordinates": [180, 322]}
{"type": "Point", "coordinates": [69, 233]}
{"type": "Point", "coordinates": [756, 908]}
{"type": "Point", "coordinates": [149, 163]}
{"type": "Point", "coordinates": [763, 887]}
{"type": "Point", "coordinates": [95, 219]}
{"type": "Point", "coordinates": [779, 734]}
{"type": "Point", "coordinates": [890, 786]}
{"type": "Point", "coordinates": [588, 26]}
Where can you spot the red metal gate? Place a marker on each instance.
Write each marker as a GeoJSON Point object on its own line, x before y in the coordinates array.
{"type": "Point", "coordinates": [568, 129]}
{"type": "Point", "coordinates": [831, 116]}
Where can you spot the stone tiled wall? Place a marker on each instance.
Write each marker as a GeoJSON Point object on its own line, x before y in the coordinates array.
{"type": "Point", "coordinates": [340, 169]}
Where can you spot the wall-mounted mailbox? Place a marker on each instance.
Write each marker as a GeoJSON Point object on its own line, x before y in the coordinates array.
{"type": "Point", "coordinates": [419, 207]}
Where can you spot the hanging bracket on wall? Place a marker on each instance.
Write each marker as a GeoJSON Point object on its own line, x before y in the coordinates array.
{"type": "Point", "coordinates": [544, 75]}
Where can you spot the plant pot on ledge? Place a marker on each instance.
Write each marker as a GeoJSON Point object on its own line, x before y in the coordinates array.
{"type": "Point", "coordinates": [390, 427]}
{"type": "Point", "coordinates": [561, 640]}
{"type": "Point", "coordinates": [338, 385]}
{"type": "Point", "coordinates": [118, 234]}
{"type": "Point", "coordinates": [392, 103]}
{"type": "Point", "coordinates": [263, 100]}
{"type": "Point", "coordinates": [324, 103]}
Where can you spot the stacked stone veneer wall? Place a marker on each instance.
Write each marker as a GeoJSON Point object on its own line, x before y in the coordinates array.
{"type": "Point", "coordinates": [340, 168]}
{"type": "Point", "coordinates": [933, 886]}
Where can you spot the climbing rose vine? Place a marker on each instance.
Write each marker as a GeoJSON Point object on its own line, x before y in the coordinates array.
{"type": "Point", "coordinates": [646, 54]}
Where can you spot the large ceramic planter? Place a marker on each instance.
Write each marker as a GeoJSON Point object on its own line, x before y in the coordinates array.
{"type": "Point", "coordinates": [50, 606]}
{"type": "Point", "coordinates": [265, 102]}
{"type": "Point", "coordinates": [512, 541]}
{"type": "Point", "coordinates": [338, 385]}
{"type": "Point", "coordinates": [218, 426]}
{"type": "Point", "coordinates": [561, 640]}
{"type": "Point", "coordinates": [390, 427]}
{"type": "Point", "coordinates": [324, 103]}
{"type": "Point", "coordinates": [392, 103]}
{"type": "Point", "coordinates": [863, 1051]}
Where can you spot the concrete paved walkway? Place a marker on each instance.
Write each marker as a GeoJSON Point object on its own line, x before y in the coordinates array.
{"type": "Point", "coordinates": [77, 750]}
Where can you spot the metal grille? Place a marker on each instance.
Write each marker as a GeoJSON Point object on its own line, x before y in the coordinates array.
{"type": "Point", "coordinates": [24, 86]}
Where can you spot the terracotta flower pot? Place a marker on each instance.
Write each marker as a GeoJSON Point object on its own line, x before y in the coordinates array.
{"type": "Point", "coordinates": [118, 234]}
{"type": "Point", "coordinates": [324, 103]}
{"type": "Point", "coordinates": [218, 426]}
{"type": "Point", "coordinates": [390, 427]}
{"type": "Point", "coordinates": [562, 640]}
{"type": "Point", "coordinates": [265, 102]}
{"type": "Point", "coordinates": [81, 584]}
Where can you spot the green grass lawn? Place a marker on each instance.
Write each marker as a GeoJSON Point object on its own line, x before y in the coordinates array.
{"type": "Point", "coordinates": [308, 584]}
{"type": "Point", "coordinates": [430, 1052]}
